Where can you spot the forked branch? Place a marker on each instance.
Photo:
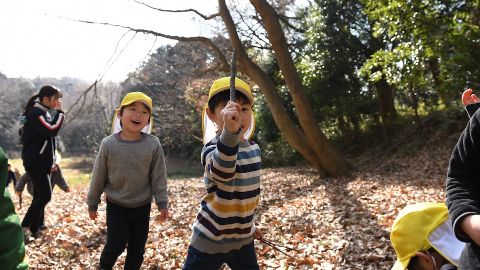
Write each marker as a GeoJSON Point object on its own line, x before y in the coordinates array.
{"type": "Point", "coordinates": [184, 10]}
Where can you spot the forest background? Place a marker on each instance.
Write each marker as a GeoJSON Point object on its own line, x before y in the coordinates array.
{"type": "Point", "coordinates": [340, 77]}
{"type": "Point", "coordinates": [336, 83]}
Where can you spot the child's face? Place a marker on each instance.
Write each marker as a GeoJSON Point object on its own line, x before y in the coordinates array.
{"type": "Point", "coordinates": [134, 117]}
{"type": "Point", "coordinates": [245, 114]}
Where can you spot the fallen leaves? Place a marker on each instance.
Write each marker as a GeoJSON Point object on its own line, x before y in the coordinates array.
{"type": "Point", "coordinates": [336, 223]}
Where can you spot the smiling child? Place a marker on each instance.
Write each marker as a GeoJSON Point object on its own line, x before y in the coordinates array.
{"type": "Point", "coordinates": [130, 170]}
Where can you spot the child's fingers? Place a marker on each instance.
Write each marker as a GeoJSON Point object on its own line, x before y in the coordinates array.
{"type": "Point", "coordinates": [92, 214]}
{"type": "Point", "coordinates": [467, 98]}
{"type": "Point", "coordinates": [475, 98]}
{"type": "Point", "coordinates": [163, 215]}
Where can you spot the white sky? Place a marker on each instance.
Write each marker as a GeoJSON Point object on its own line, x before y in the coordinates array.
{"type": "Point", "coordinates": [34, 41]}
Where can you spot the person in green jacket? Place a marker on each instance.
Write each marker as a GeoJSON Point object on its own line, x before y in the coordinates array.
{"type": "Point", "coordinates": [12, 247]}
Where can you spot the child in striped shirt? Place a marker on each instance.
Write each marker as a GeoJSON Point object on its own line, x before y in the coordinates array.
{"type": "Point", "coordinates": [224, 230]}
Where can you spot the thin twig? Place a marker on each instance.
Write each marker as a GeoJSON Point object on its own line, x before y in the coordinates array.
{"type": "Point", "coordinates": [277, 249]}
{"type": "Point", "coordinates": [233, 65]}
{"type": "Point", "coordinates": [184, 10]}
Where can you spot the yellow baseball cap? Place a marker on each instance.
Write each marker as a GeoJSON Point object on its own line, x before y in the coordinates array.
{"type": "Point", "coordinates": [224, 84]}
{"type": "Point", "coordinates": [137, 96]}
{"type": "Point", "coordinates": [208, 127]}
{"type": "Point", "coordinates": [127, 100]}
{"type": "Point", "coordinates": [421, 226]}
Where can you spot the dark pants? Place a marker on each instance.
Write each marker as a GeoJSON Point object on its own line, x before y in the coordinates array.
{"type": "Point", "coordinates": [125, 227]}
{"type": "Point", "coordinates": [41, 196]}
{"type": "Point", "coordinates": [470, 258]}
{"type": "Point", "coordinates": [242, 259]}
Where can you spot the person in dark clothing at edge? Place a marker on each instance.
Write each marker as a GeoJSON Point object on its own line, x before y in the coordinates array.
{"type": "Point", "coordinates": [463, 186]}
{"type": "Point", "coordinates": [42, 119]}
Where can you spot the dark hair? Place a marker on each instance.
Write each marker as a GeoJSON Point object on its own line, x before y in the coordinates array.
{"type": "Point", "coordinates": [224, 96]}
{"type": "Point", "coordinates": [414, 263]}
{"type": "Point", "coordinates": [45, 91]}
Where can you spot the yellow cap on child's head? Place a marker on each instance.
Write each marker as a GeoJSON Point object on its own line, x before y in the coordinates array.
{"type": "Point", "coordinates": [421, 226]}
{"type": "Point", "coordinates": [224, 84]}
{"type": "Point", "coordinates": [137, 96]}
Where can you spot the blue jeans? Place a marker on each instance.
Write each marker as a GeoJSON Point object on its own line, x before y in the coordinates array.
{"type": "Point", "coordinates": [242, 259]}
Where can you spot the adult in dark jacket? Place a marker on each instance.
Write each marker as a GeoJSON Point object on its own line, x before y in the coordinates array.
{"type": "Point", "coordinates": [43, 119]}
{"type": "Point", "coordinates": [56, 179]}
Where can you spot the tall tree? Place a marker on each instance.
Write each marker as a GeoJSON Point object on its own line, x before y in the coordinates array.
{"type": "Point", "coordinates": [308, 139]}
{"type": "Point", "coordinates": [339, 43]}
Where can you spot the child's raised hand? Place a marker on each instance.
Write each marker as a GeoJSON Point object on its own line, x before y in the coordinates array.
{"type": "Point", "coordinates": [231, 117]}
{"type": "Point", "coordinates": [93, 214]}
{"type": "Point", "coordinates": [468, 98]}
{"type": "Point", "coordinates": [163, 215]}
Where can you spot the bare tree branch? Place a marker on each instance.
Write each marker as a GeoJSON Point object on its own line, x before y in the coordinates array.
{"type": "Point", "coordinates": [224, 65]}
{"type": "Point", "coordinates": [180, 120]}
{"type": "Point", "coordinates": [184, 10]}
{"type": "Point", "coordinates": [203, 71]}
{"type": "Point", "coordinates": [284, 19]}
{"type": "Point", "coordinates": [82, 97]}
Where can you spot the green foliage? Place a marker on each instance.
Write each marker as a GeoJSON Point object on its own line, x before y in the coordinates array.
{"type": "Point", "coordinates": [439, 37]}
{"type": "Point", "coordinates": [339, 43]}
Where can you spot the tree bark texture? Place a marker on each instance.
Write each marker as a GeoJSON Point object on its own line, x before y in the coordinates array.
{"type": "Point", "coordinates": [387, 110]}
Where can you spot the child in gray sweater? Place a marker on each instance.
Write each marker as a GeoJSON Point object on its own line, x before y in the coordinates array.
{"type": "Point", "coordinates": [130, 170]}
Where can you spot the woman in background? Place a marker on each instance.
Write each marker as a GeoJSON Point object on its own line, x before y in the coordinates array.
{"type": "Point", "coordinates": [42, 120]}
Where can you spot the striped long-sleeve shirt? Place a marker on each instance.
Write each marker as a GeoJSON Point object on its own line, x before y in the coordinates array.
{"type": "Point", "coordinates": [232, 180]}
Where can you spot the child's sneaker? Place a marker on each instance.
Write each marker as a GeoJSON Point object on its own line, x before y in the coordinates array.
{"type": "Point", "coordinates": [37, 234]}
{"type": "Point", "coordinates": [26, 235]}
{"type": "Point", "coordinates": [43, 227]}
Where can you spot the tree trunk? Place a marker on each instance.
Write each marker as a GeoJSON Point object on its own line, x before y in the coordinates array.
{"type": "Point", "coordinates": [311, 143]}
{"type": "Point", "coordinates": [345, 128]}
{"type": "Point", "coordinates": [385, 101]}
{"type": "Point", "coordinates": [414, 105]}
{"type": "Point", "coordinates": [433, 63]}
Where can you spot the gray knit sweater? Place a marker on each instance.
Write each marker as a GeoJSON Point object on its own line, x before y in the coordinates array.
{"type": "Point", "coordinates": [129, 172]}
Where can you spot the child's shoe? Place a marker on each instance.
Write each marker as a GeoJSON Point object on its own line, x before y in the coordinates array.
{"type": "Point", "coordinates": [37, 234]}
{"type": "Point", "coordinates": [43, 227]}
{"type": "Point", "coordinates": [27, 235]}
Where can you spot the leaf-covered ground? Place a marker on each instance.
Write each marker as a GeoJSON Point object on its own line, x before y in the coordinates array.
{"type": "Point", "coordinates": [336, 223]}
